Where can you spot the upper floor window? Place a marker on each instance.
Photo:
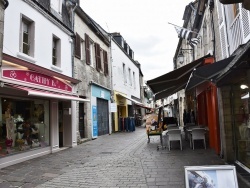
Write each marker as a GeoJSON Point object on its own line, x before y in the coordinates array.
{"type": "Point", "coordinates": [98, 57]}
{"type": "Point", "coordinates": [89, 45]}
{"type": "Point", "coordinates": [27, 36]}
{"type": "Point", "coordinates": [82, 49]}
{"type": "Point", "coordinates": [124, 73]}
{"type": "Point", "coordinates": [56, 51]}
{"type": "Point", "coordinates": [134, 80]}
{"type": "Point", "coordinates": [129, 76]}
{"type": "Point", "coordinates": [105, 63]}
{"type": "Point", "coordinates": [101, 57]}
{"type": "Point", "coordinates": [56, 5]}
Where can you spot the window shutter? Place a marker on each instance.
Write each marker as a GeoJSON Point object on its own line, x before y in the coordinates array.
{"type": "Point", "coordinates": [78, 46]}
{"type": "Point", "coordinates": [222, 30]}
{"type": "Point", "coordinates": [98, 56]}
{"type": "Point", "coordinates": [245, 19]}
{"type": "Point", "coordinates": [105, 64]}
{"type": "Point", "coordinates": [87, 50]}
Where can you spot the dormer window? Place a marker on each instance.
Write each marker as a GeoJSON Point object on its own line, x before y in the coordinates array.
{"type": "Point", "coordinates": [56, 5]}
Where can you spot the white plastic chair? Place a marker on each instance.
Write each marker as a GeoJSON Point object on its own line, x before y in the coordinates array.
{"type": "Point", "coordinates": [198, 134]}
{"type": "Point", "coordinates": [174, 135]}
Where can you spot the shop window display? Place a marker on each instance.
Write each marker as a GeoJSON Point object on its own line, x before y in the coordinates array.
{"type": "Point", "coordinates": [243, 127]}
{"type": "Point", "coordinates": [24, 125]}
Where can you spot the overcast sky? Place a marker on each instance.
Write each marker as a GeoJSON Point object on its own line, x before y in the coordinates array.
{"type": "Point", "coordinates": [144, 26]}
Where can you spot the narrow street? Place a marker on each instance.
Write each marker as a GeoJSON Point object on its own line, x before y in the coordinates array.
{"type": "Point", "coordinates": [122, 159]}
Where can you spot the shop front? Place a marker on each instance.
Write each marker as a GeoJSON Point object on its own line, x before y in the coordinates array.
{"type": "Point", "coordinates": [126, 112]}
{"type": "Point", "coordinates": [100, 113]}
{"type": "Point", "coordinates": [230, 79]}
{"type": "Point", "coordinates": [36, 111]}
{"type": "Point", "coordinates": [234, 84]}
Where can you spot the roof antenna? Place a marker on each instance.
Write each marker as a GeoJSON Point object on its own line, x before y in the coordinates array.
{"type": "Point", "coordinates": [107, 27]}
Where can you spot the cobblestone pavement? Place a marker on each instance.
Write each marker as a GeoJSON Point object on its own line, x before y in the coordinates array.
{"type": "Point", "coordinates": [123, 159]}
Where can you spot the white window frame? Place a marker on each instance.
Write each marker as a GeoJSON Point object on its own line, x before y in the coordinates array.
{"type": "Point", "coordinates": [56, 43]}
{"type": "Point", "coordinates": [129, 75]}
{"type": "Point", "coordinates": [28, 25]}
{"type": "Point", "coordinates": [124, 73]}
{"type": "Point", "coordinates": [134, 80]}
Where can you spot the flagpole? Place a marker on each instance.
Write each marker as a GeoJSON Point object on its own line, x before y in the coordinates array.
{"type": "Point", "coordinates": [183, 28]}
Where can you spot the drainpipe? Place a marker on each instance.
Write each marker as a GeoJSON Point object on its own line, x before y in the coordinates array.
{"type": "Point", "coordinates": [72, 44]}
{"type": "Point", "coordinates": [71, 6]}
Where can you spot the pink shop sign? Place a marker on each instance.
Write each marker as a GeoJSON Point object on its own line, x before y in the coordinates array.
{"type": "Point", "coordinates": [36, 78]}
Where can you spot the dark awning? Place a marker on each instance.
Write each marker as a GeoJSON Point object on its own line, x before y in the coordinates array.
{"type": "Point", "coordinates": [235, 68]}
{"type": "Point", "coordinates": [207, 73]}
{"type": "Point", "coordinates": [172, 82]}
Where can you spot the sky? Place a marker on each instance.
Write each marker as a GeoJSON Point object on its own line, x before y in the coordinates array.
{"type": "Point", "coordinates": [144, 25]}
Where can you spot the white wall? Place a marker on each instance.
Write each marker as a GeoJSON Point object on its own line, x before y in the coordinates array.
{"type": "Point", "coordinates": [118, 58]}
{"type": "Point", "coordinates": [44, 30]}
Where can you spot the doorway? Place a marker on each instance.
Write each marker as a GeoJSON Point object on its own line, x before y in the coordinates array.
{"type": "Point", "coordinates": [60, 122]}
{"type": "Point", "coordinates": [81, 120]}
{"type": "Point", "coordinates": [102, 117]}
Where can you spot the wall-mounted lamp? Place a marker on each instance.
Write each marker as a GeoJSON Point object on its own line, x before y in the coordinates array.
{"type": "Point", "coordinates": [181, 54]}
{"type": "Point", "coordinates": [243, 86]}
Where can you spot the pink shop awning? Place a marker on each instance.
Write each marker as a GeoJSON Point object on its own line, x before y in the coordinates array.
{"type": "Point", "coordinates": [46, 94]}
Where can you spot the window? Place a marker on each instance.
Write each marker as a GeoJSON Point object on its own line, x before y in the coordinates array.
{"type": "Point", "coordinates": [56, 5]}
{"type": "Point", "coordinates": [78, 46]}
{"type": "Point", "coordinates": [56, 51]}
{"type": "Point", "coordinates": [98, 57]}
{"type": "Point", "coordinates": [89, 45]}
{"type": "Point", "coordinates": [124, 73]}
{"type": "Point", "coordinates": [91, 54]}
{"type": "Point", "coordinates": [105, 63]}
{"type": "Point", "coordinates": [129, 76]}
{"type": "Point", "coordinates": [82, 49]}
{"type": "Point", "coordinates": [101, 59]}
{"type": "Point", "coordinates": [27, 36]}
{"type": "Point", "coordinates": [134, 80]}
{"type": "Point", "coordinates": [28, 127]}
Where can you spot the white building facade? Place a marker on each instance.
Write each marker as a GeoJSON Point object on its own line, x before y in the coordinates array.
{"type": "Point", "coordinates": [125, 80]}
{"type": "Point", "coordinates": [38, 97]}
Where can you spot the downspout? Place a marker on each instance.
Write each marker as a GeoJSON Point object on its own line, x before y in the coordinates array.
{"type": "Point", "coordinates": [111, 83]}
{"type": "Point", "coordinates": [72, 43]}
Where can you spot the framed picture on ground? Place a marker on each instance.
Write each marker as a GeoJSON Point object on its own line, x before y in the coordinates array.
{"type": "Point", "coordinates": [210, 176]}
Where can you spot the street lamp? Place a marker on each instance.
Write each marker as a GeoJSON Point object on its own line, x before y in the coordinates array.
{"type": "Point", "coordinates": [180, 56]}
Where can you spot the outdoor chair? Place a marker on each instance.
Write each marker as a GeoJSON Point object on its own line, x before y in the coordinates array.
{"type": "Point", "coordinates": [198, 134]}
{"type": "Point", "coordinates": [174, 135]}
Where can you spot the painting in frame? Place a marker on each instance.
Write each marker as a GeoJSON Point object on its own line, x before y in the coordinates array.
{"type": "Point", "coordinates": [211, 176]}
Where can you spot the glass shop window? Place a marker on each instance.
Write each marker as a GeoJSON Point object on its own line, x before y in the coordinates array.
{"type": "Point", "coordinates": [24, 125]}
{"type": "Point", "coordinates": [242, 125]}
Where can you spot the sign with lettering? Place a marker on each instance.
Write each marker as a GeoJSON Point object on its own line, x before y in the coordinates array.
{"type": "Point", "coordinates": [35, 78]}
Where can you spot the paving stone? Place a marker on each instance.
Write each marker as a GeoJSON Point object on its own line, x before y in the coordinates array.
{"type": "Point", "coordinates": [118, 160]}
